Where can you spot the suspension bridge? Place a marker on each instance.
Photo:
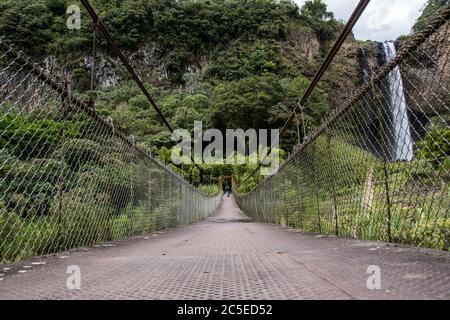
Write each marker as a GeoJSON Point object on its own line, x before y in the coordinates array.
{"type": "Point", "coordinates": [359, 210]}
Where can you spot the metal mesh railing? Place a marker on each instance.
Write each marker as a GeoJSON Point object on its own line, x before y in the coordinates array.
{"type": "Point", "coordinates": [379, 167]}
{"type": "Point", "coordinates": [68, 178]}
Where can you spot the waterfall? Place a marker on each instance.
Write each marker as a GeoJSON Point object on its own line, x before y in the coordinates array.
{"type": "Point", "coordinates": [364, 65]}
{"type": "Point", "coordinates": [399, 132]}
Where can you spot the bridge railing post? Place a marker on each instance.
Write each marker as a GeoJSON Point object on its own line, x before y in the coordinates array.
{"type": "Point", "coordinates": [385, 157]}
{"type": "Point", "coordinates": [61, 178]}
{"type": "Point", "coordinates": [299, 195]}
{"type": "Point", "coordinates": [286, 205]}
{"type": "Point", "coordinates": [180, 202]}
{"type": "Point", "coordinates": [315, 184]}
{"type": "Point", "coordinates": [332, 181]}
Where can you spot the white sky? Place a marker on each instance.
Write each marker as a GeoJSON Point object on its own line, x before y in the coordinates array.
{"type": "Point", "coordinates": [382, 20]}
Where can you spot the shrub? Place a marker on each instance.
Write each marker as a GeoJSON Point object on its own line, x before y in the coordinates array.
{"type": "Point", "coordinates": [28, 187]}
{"type": "Point", "coordinates": [436, 148]}
{"type": "Point", "coordinates": [29, 138]}
{"type": "Point", "coordinates": [10, 224]}
{"type": "Point", "coordinates": [120, 227]}
{"type": "Point", "coordinates": [78, 152]}
{"type": "Point", "coordinates": [209, 190]}
{"type": "Point", "coordinates": [195, 176]}
{"type": "Point", "coordinates": [22, 238]}
{"type": "Point", "coordinates": [84, 217]}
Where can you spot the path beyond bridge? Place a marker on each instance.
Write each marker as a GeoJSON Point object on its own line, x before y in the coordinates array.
{"type": "Point", "coordinates": [229, 257]}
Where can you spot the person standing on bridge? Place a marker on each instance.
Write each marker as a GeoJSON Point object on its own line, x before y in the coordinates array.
{"type": "Point", "coordinates": [227, 190]}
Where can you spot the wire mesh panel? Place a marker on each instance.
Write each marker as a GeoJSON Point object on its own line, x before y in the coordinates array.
{"type": "Point", "coordinates": [378, 168]}
{"type": "Point", "coordinates": [68, 178]}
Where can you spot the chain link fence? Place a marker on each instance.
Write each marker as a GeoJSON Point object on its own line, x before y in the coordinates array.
{"type": "Point", "coordinates": [68, 178]}
{"type": "Point", "coordinates": [378, 168]}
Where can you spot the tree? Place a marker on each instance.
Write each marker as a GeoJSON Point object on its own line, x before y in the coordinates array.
{"type": "Point", "coordinates": [316, 10]}
{"type": "Point", "coordinates": [246, 103]}
{"type": "Point", "coordinates": [27, 23]}
{"type": "Point", "coordinates": [315, 13]}
{"type": "Point", "coordinates": [242, 59]}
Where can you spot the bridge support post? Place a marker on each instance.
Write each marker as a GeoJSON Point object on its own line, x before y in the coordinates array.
{"type": "Point", "coordinates": [333, 187]}
{"type": "Point", "coordinates": [265, 208]}
{"type": "Point", "coordinates": [61, 178]}
{"type": "Point", "coordinates": [149, 204]}
{"type": "Point", "coordinates": [133, 217]}
{"type": "Point", "coordinates": [171, 218]}
{"type": "Point", "coordinates": [300, 195]}
{"type": "Point", "coordinates": [163, 202]}
{"type": "Point", "coordinates": [316, 187]}
{"type": "Point", "coordinates": [180, 202]}
{"type": "Point", "coordinates": [286, 210]}
{"type": "Point", "coordinates": [385, 151]}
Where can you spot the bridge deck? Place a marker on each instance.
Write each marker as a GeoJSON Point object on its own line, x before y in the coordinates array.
{"type": "Point", "coordinates": [226, 257]}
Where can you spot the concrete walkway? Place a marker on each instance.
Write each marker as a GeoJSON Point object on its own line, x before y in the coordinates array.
{"type": "Point", "coordinates": [228, 257]}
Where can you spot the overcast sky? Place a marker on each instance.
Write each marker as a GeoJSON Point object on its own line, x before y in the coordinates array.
{"type": "Point", "coordinates": [382, 20]}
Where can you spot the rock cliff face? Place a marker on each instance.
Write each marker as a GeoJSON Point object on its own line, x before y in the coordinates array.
{"type": "Point", "coordinates": [146, 61]}
{"type": "Point", "coordinates": [303, 48]}
{"type": "Point", "coordinates": [427, 73]}
{"type": "Point", "coordinates": [345, 74]}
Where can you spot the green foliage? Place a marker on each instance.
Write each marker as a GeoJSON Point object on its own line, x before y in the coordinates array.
{"type": "Point", "coordinates": [79, 152]}
{"type": "Point", "coordinates": [120, 227]}
{"type": "Point", "coordinates": [34, 197]}
{"type": "Point", "coordinates": [195, 176]}
{"type": "Point", "coordinates": [84, 217]}
{"type": "Point", "coordinates": [242, 59]}
{"type": "Point", "coordinates": [246, 103]}
{"type": "Point", "coordinates": [187, 108]}
{"type": "Point", "coordinates": [129, 21]}
{"type": "Point", "coordinates": [252, 102]}
{"type": "Point", "coordinates": [429, 10]}
{"type": "Point", "coordinates": [10, 226]}
{"type": "Point", "coordinates": [315, 13]}
{"type": "Point", "coordinates": [113, 180]}
{"type": "Point", "coordinates": [26, 137]}
{"type": "Point", "coordinates": [139, 102]}
{"type": "Point", "coordinates": [29, 22]}
{"type": "Point", "coordinates": [249, 102]}
{"type": "Point", "coordinates": [81, 79]}
{"type": "Point", "coordinates": [317, 105]}
{"type": "Point", "coordinates": [112, 97]}
{"type": "Point", "coordinates": [182, 29]}
{"type": "Point", "coordinates": [22, 238]}
{"type": "Point", "coordinates": [189, 28]}
{"type": "Point", "coordinates": [209, 190]}
{"type": "Point", "coordinates": [435, 147]}
{"type": "Point", "coordinates": [164, 155]}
